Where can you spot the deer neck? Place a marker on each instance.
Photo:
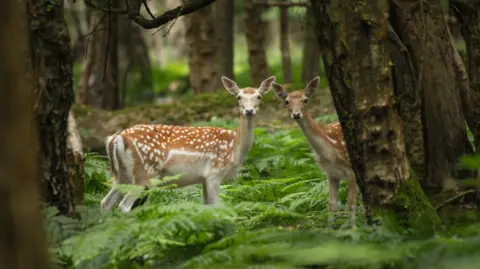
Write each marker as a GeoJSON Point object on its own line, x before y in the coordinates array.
{"type": "Point", "coordinates": [316, 136]}
{"type": "Point", "coordinates": [243, 139]}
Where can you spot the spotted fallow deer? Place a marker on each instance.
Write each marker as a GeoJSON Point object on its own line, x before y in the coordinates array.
{"type": "Point", "coordinates": [326, 141]}
{"type": "Point", "coordinates": [204, 155]}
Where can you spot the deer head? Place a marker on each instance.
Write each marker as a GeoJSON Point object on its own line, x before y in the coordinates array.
{"type": "Point", "coordinates": [248, 98]}
{"type": "Point", "coordinates": [296, 100]}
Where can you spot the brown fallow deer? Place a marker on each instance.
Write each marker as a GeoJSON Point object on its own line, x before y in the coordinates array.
{"type": "Point", "coordinates": [204, 155]}
{"type": "Point", "coordinates": [326, 141]}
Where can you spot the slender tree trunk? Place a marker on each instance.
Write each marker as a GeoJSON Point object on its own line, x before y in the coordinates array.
{"type": "Point", "coordinates": [224, 11]}
{"type": "Point", "coordinates": [353, 39]}
{"type": "Point", "coordinates": [52, 71]}
{"type": "Point", "coordinates": [285, 46]}
{"type": "Point", "coordinates": [176, 37]}
{"type": "Point", "coordinates": [422, 29]}
{"type": "Point", "coordinates": [22, 242]}
{"type": "Point", "coordinates": [98, 82]}
{"type": "Point", "coordinates": [202, 48]}
{"type": "Point", "coordinates": [255, 33]}
{"type": "Point", "coordinates": [468, 15]}
{"type": "Point", "coordinates": [311, 50]}
{"type": "Point", "coordinates": [75, 159]}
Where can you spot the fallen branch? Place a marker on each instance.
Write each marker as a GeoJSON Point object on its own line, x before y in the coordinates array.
{"type": "Point", "coordinates": [267, 3]}
{"type": "Point", "coordinates": [155, 22]}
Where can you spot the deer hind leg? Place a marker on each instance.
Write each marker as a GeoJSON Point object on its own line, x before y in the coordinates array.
{"type": "Point", "coordinates": [352, 198]}
{"type": "Point", "coordinates": [113, 197]}
{"type": "Point", "coordinates": [333, 187]}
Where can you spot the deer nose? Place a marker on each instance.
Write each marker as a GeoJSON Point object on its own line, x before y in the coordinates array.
{"type": "Point", "coordinates": [249, 112]}
{"type": "Point", "coordinates": [296, 115]}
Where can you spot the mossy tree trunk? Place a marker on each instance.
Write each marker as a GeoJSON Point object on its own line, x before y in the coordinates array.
{"type": "Point", "coordinates": [51, 60]}
{"type": "Point", "coordinates": [98, 82]}
{"type": "Point", "coordinates": [421, 28]}
{"type": "Point", "coordinates": [468, 15]}
{"type": "Point", "coordinates": [224, 31]}
{"type": "Point", "coordinates": [255, 34]}
{"type": "Point", "coordinates": [311, 50]}
{"type": "Point", "coordinates": [22, 244]}
{"type": "Point", "coordinates": [201, 45]}
{"type": "Point", "coordinates": [352, 37]}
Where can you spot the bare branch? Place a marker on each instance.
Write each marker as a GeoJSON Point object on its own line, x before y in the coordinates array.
{"type": "Point", "coordinates": [169, 15]}
{"type": "Point", "coordinates": [267, 3]}
{"type": "Point", "coordinates": [148, 9]}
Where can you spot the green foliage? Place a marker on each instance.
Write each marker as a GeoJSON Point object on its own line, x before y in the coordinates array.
{"type": "Point", "coordinates": [274, 215]}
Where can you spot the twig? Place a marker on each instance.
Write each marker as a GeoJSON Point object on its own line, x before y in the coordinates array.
{"type": "Point", "coordinates": [148, 9]}
{"type": "Point", "coordinates": [91, 34]}
{"type": "Point", "coordinates": [453, 198]}
{"type": "Point", "coordinates": [267, 3]}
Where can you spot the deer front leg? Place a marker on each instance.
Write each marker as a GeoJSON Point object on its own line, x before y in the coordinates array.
{"type": "Point", "coordinates": [211, 191]}
{"type": "Point", "coordinates": [352, 198]}
{"type": "Point", "coordinates": [333, 187]}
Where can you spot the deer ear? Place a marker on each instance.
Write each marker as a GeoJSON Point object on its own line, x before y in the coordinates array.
{"type": "Point", "coordinates": [280, 91]}
{"type": "Point", "coordinates": [312, 86]}
{"type": "Point", "coordinates": [266, 85]}
{"type": "Point", "coordinates": [230, 85]}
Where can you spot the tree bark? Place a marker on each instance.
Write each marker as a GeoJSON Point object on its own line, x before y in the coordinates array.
{"type": "Point", "coordinates": [51, 59]}
{"type": "Point", "coordinates": [98, 82]}
{"type": "Point", "coordinates": [311, 50]}
{"type": "Point", "coordinates": [468, 15]}
{"type": "Point", "coordinates": [22, 242]}
{"type": "Point", "coordinates": [224, 11]}
{"type": "Point", "coordinates": [357, 64]}
{"type": "Point", "coordinates": [285, 46]}
{"type": "Point", "coordinates": [75, 159]}
{"type": "Point", "coordinates": [423, 30]}
{"type": "Point", "coordinates": [255, 34]}
{"type": "Point", "coordinates": [201, 45]}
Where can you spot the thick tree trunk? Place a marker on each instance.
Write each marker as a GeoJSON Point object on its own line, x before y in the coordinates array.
{"type": "Point", "coordinates": [285, 46]}
{"type": "Point", "coordinates": [311, 50]}
{"type": "Point", "coordinates": [255, 33]}
{"type": "Point", "coordinates": [200, 34]}
{"type": "Point", "coordinates": [98, 82]}
{"type": "Point", "coordinates": [22, 244]}
{"type": "Point", "coordinates": [224, 11]}
{"type": "Point", "coordinates": [468, 15]}
{"type": "Point", "coordinates": [423, 30]}
{"type": "Point", "coordinates": [357, 63]}
{"type": "Point", "coordinates": [51, 59]}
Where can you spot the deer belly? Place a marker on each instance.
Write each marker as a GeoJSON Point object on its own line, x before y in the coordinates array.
{"type": "Point", "coordinates": [190, 166]}
{"type": "Point", "coordinates": [332, 168]}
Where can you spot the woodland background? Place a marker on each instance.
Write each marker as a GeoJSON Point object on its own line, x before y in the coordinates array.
{"type": "Point", "coordinates": [401, 76]}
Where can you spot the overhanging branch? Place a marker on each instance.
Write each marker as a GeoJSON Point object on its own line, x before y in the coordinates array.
{"type": "Point", "coordinates": [133, 12]}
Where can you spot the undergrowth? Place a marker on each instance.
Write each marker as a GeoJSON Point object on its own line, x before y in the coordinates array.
{"type": "Point", "coordinates": [274, 215]}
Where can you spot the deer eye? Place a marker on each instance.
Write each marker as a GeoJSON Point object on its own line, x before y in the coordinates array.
{"type": "Point", "coordinates": [259, 97]}
{"type": "Point", "coordinates": [239, 97]}
{"type": "Point", "coordinates": [286, 102]}
{"type": "Point", "coordinates": [305, 100]}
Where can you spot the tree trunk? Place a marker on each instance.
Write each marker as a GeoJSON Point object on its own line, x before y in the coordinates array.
{"type": "Point", "coordinates": [311, 50]}
{"type": "Point", "coordinates": [176, 37]}
{"type": "Point", "coordinates": [423, 30]}
{"type": "Point", "coordinates": [357, 63]}
{"type": "Point", "coordinates": [51, 60]}
{"type": "Point", "coordinates": [468, 15]}
{"type": "Point", "coordinates": [75, 159]}
{"type": "Point", "coordinates": [201, 43]}
{"type": "Point", "coordinates": [255, 33]}
{"type": "Point", "coordinates": [224, 32]}
{"type": "Point", "coordinates": [22, 244]}
{"type": "Point", "coordinates": [285, 46]}
{"type": "Point", "coordinates": [98, 82]}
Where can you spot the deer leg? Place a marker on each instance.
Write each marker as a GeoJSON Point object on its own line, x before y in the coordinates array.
{"type": "Point", "coordinates": [211, 191]}
{"type": "Point", "coordinates": [129, 200]}
{"type": "Point", "coordinates": [333, 187]}
{"type": "Point", "coordinates": [352, 198]}
{"type": "Point", "coordinates": [113, 197]}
